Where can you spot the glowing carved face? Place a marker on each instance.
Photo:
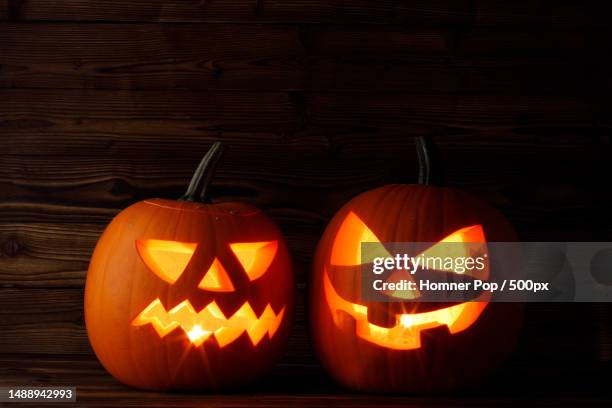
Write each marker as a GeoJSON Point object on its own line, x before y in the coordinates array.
{"type": "Point", "coordinates": [405, 334]}
{"type": "Point", "coordinates": [169, 259]}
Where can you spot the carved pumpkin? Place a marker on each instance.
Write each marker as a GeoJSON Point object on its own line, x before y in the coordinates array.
{"type": "Point", "coordinates": [189, 295]}
{"type": "Point", "coordinates": [406, 346]}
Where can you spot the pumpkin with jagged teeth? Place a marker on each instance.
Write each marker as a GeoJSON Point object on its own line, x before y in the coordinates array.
{"type": "Point", "coordinates": [187, 294]}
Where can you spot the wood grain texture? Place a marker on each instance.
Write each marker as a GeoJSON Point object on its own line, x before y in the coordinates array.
{"type": "Point", "coordinates": [151, 56]}
{"type": "Point", "coordinates": [46, 255]}
{"type": "Point", "coordinates": [293, 58]}
{"type": "Point", "coordinates": [43, 321]}
{"type": "Point", "coordinates": [436, 12]}
{"type": "Point", "coordinates": [77, 147]}
{"type": "Point", "coordinates": [176, 112]}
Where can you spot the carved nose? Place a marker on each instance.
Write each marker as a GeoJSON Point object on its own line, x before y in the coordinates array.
{"type": "Point", "coordinates": [216, 279]}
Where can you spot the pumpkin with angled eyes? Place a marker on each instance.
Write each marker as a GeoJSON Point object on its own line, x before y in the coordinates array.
{"type": "Point", "coordinates": [187, 294]}
{"type": "Point", "coordinates": [403, 345]}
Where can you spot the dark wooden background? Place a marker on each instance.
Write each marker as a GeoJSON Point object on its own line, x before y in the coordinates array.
{"type": "Point", "coordinates": [106, 103]}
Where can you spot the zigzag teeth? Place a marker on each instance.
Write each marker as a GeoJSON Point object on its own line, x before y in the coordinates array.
{"type": "Point", "coordinates": [210, 321]}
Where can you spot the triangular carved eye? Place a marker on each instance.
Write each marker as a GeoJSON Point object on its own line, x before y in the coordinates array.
{"type": "Point", "coordinates": [346, 250]}
{"type": "Point", "coordinates": [255, 257]}
{"type": "Point", "coordinates": [167, 259]}
{"type": "Point", "coordinates": [473, 234]}
{"type": "Point", "coordinates": [216, 279]}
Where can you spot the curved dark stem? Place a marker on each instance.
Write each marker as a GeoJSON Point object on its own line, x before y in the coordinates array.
{"type": "Point", "coordinates": [426, 153]}
{"type": "Point", "coordinates": [203, 175]}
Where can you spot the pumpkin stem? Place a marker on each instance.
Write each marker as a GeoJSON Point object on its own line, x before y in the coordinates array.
{"type": "Point", "coordinates": [203, 175]}
{"type": "Point", "coordinates": [427, 159]}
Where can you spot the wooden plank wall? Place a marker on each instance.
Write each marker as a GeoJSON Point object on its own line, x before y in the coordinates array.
{"type": "Point", "coordinates": [106, 103]}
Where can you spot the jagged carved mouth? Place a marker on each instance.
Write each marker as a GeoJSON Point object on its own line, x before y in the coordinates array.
{"type": "Point", "coordinates": [211, 321]}
{"type": "Point", "coordinates": [406, 333]}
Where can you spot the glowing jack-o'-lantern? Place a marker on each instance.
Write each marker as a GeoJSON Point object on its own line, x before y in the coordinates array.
{"type": "Point", "coordinates": [189, 295]}
{"type": "Point", "coordinates": [404, 345]}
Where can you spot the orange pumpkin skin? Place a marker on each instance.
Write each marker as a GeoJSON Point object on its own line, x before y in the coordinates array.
{"type": "Point", "coordinates": [119, 286]}
{"type": "Point", "coordinates": [184, 295]}
{"type": "Point", "coordinates": [443, 361]}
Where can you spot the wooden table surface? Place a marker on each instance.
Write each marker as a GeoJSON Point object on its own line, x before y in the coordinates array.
{"type": "Point", "coordinates": [528, 383]}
